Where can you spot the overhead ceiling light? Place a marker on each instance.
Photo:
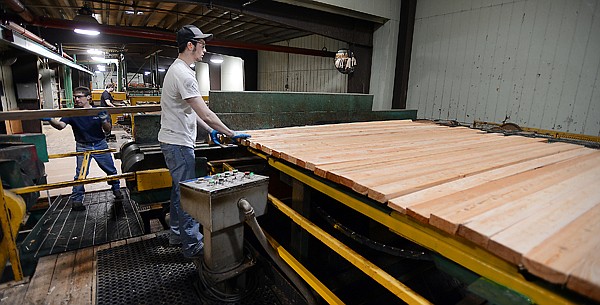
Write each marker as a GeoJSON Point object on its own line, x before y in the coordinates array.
{"type": "Point", "coordinates": [216, 58]}
{"type": "Point", "coordinates": [135, 12]}
{"type": "Point", "coordinates": [87, 24]}
{"type": "Point", "coordinates": [96, 58]}
{"type": "Point", "coordinates": [161, 70]}
{"type": "Point", "coordinates": [95, 52]}
{"type": "Point", "coordinates": [147, 73]}
{"type": "Point", "coordinates": [87, 32]}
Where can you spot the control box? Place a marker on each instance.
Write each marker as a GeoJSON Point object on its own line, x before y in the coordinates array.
{"type": "Point", "coordinates": [213, 200]}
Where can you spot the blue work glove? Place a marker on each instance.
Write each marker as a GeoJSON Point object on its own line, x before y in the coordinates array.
{"type": "Point", "coordinates": [45, 119]}
{"type": "Point", "coordinates": [238, 135]}
{"type": "Point", "coordinates": [103, 115]}
{"type": "Point", "coordinates": [214, 136]}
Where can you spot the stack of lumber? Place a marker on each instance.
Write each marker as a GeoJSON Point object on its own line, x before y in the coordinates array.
{"type": "Point", "coordinates": [530, 202]}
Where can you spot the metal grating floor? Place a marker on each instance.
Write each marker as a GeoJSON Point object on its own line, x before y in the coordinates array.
{"type": "Point", "coordinates": [145, 272]}
{"type": "Point", "coordinates": [60, 229]}
{"type": "Point", "coordinates": [152, 272]}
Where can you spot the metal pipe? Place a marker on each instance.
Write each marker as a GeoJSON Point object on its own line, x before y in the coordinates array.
{"type": "Point", "coordinates": [20, 9]}
{"type": "Point", "coordinates": [21, 30]}
{"type": "Point", "coordinates": [250, 219]}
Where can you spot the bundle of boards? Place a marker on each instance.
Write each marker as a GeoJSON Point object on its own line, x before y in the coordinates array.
{"type": "Point", "coordinates": [528, 201]}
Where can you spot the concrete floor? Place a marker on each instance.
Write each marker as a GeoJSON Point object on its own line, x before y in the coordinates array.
{"type": "Point", "coordinates": [63, 169]}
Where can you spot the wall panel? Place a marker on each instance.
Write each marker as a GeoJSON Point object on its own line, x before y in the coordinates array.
{"type": "Point", "coordinates": [530, 62]}
{"type": "Point", "coordinates": [302, 73]}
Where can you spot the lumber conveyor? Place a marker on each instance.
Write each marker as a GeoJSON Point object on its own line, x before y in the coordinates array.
{"type": "Point", "coordinates": [359, 260]}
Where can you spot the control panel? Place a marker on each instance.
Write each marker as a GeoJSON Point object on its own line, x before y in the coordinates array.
{"type": "Point", "coordinates": [223, 181]}
{"type": "Point", "coordinates": [213, 200]}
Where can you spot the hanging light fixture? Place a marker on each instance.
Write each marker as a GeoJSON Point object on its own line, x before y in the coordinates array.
{"type": "Point", "coordinates": [87, 24]}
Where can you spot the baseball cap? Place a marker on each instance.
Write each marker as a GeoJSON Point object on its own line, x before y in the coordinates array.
{"type": "Point", "coordinates": [191, 32]}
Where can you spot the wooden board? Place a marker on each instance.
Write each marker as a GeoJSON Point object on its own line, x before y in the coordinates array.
{"type": "Point", "coordinates": [65, 278]}
{"type": "Point", "coordinates": [517, 197]}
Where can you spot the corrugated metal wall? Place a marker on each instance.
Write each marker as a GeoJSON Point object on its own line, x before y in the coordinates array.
{"type": "Point", "coordinates": [301, 73]}
{"type": "Point", "coordinates": [535, 63]}
{"type": "Point", "coordinates": [8, 97]}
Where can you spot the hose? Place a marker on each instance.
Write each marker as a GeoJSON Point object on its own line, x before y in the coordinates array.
{"type": "Point", "coordinates": [250, 219]}
{"type": "Point", "coordinates": [208, 290]}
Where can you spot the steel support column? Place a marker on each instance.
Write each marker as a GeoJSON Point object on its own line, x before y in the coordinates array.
{"type": "Point", "coordinates": [300, 204]}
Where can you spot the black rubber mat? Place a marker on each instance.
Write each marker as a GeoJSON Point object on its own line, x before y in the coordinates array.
{"type": "Point", "coordinates": [152, 272]}
{"type": "Point", "coordinates": [61, 229]}
{"type": "Point", "coordinates": [146, 272]}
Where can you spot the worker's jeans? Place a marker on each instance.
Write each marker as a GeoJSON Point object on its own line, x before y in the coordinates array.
{"type": "Point", "coordinates": [105, 162]}
{"type": "Point", "coordinates": [182, 164]}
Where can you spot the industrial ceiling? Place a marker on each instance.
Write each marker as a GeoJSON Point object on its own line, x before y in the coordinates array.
{"type": "Point", "coordinates": [143, 29]}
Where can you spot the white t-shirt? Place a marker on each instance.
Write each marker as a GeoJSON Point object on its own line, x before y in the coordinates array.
{"type": "Point", "coordinates": [177, 118]}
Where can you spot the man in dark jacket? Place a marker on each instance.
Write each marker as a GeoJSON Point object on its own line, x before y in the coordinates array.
{"type": "Point", "coordinates": [89, 133]}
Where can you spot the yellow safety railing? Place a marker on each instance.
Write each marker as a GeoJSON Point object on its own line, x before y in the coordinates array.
{"type": "Point", "coordinates": [12, 211]}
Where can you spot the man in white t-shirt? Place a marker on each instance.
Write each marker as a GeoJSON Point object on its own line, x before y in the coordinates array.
{"type": "Point", "coordinates": [182, 108]}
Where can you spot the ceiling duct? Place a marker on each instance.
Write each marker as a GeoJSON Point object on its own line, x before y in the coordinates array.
{"type": "Point", "coordinates": [18, 7]}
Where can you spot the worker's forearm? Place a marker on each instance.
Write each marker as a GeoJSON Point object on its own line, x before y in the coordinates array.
{"type": "Point", "coordinates": [203, 125]}
{"type": "Point", "coordinates": [212, 120]}
{"type": "Point", "coordinates": [209, 117]}
{"type": "Point", "coordinates": [106, 126]}
{"type": "Point", "coordinates": [57, 124]}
